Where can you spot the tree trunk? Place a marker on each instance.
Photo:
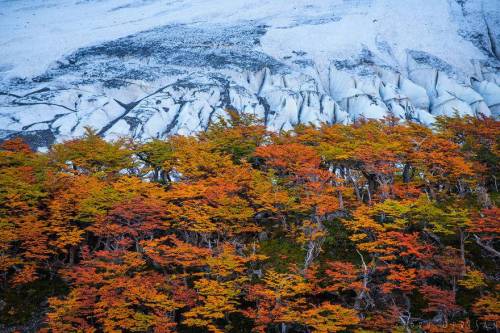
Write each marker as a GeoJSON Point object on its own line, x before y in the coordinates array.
{"type": "Point", "coordinates": [462, 249]}
{"type": "Point", "coordinates": [406, 173]}
{"type": "Point", "coordinates": [486, 247]}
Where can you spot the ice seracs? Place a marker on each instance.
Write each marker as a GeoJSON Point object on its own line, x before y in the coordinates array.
{"type": "Point", "coordinates": [153, 69]}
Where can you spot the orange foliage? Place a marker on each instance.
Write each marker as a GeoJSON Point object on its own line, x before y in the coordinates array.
{"type": "Point", "coordinates": [377, 225]}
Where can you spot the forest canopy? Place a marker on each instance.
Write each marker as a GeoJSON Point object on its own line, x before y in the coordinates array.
{"type": "Point", "coordinates": [369, 227]}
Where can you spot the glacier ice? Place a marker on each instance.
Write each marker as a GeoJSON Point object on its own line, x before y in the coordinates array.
{"type": "Point", "coordinates": [150, 69]}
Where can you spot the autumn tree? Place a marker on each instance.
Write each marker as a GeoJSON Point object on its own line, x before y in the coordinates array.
{"type": "Point", "coordinates": [375, 226]}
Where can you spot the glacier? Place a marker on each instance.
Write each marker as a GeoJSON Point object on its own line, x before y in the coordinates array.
{"type": "Point", "coordinates": [153, 68]}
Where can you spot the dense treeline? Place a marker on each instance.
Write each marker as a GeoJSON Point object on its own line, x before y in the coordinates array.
{"type": "Point", "coordinates": [369, 227]}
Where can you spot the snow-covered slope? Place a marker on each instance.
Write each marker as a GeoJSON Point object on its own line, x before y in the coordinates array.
{"type": "Point", "coordinates": [151, 68]}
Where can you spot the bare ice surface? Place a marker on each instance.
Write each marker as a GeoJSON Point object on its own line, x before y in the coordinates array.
{"type": "Point", "coordinates": [152, 68]}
